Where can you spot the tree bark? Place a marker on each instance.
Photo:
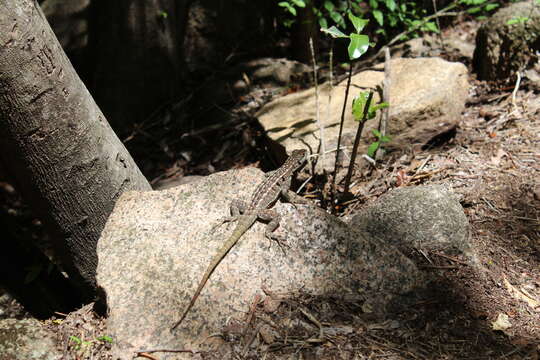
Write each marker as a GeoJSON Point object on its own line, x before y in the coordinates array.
{"type": "Point", "coordinates": [138, 56]}
{"type": "Point", "coordinates": [66, 161]}
{"type": "Point", "coordinates": [304, 28]}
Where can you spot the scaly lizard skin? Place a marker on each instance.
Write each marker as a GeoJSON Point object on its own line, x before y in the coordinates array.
{"type": "Point", "coordinates": [276, 184]}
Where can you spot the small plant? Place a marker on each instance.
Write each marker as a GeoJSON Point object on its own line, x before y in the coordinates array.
{"type": "Point", "coordinates": [79, 343]}
{"type": "Point", "coordinates": [479, 7]}
{"type": "Point", "coordinates": [291, 5]}
{"type": "Point", "coordinates": [387, 13]}
{"type": "Point", "coordinates": [374, 146]}
{"type": "Point", "coordinates": [359, 104]}
{"type": "Point", "coordinates": [517, 20]}
{"type": "Point", "coordinates": [359, 109]}
{"type": "Point", "coordinates": [81, 346]}
{"type": "Point", "coordinates": [105, 338]}
{"type": "Point", "coordinates": [358, 43]}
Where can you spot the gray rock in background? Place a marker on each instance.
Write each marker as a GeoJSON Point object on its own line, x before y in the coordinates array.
{"type": "Point", "coordinates": [502, 48]}
{"type": "Point", "coordinates": [26, 339]}
{"type": "Point", "coordinates": [421, 217]}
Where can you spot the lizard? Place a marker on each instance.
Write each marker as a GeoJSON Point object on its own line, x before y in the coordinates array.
{"type": "Point", "coordinates": [275, 185]}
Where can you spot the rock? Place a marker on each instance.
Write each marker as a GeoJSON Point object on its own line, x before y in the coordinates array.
{"type": "Point", "coordinates": [271, 74]}
{"type": "Point", "coordinates": [421, 217]}
{"type": "Point", "coordinates": [427, 97]}
{"type": "Point", "coordinates": [26, 339]}
{"type": "Point", "coordinates": [156, 246]}
{"type": "Point", "coordinates": [502, 48]}
{"type": "Point", "coordinates": [454, 43]}
{"type": "Point", "coordinates": [277, 72]}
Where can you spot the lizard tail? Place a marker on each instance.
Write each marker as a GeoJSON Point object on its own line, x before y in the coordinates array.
{"type": "Point", "coordinates": [224, 250]}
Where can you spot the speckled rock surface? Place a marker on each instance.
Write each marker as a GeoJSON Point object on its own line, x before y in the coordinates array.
{"type": "Point", "coordinates": [502, 47]}
{"type": "Point", "coordinates": [156, 246]}
{"type": "Point", "coordinates": [26, 339]}
{"type": "Point", "coordinates": [418, 217]}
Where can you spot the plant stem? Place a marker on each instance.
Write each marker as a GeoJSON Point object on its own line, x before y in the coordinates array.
{"type": "Point", "coordinates": [342, 121]}
{"type": "Point", "coordinates": [357, 142]}
{"type": "Point", "coordinates": [322, 148]}
{"type": "Point", "coordinates": [385, 114]}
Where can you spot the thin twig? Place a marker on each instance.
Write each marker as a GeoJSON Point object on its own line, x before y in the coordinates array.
{"type": "Point", "coordinates": [516, 88]}
{"type": "Point", "coordinates": [342, 121]}
{"type": "Point", "coordinates": [386, 99]}
{"type": "Point", "coordinates": [331, 88]}
{"type": "Point", "coordinates": [317, 116]}
{"type": "Point", "coordinates": [439, 34]}
{"type": "Point", "coordinates": [151, 351]}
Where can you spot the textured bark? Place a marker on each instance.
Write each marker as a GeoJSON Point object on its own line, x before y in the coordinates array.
{"type": "Point", "coordinates": [138, 57]}
{"type": "Point", "coordinates": [304, 28]}
{"type": "Point", "coordinates": [55, 142]}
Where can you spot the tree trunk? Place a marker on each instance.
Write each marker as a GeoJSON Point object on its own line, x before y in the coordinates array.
{"type": "Point", "coordinates": [304, 28]}
{"type": "Point", "coordinates": [66, 161]}
{"type": "Point", "coordinates": [138, 56]}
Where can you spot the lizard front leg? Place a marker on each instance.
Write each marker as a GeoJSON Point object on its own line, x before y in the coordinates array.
{"type": "Point", "coordinates": [237, 208]}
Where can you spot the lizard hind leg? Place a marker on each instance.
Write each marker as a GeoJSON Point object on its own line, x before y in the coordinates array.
{"type": "Point", "coordinates": [273, 223]}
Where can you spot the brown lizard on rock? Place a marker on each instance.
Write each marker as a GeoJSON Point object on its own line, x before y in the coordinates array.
{"type": "Point", "coordinates": [276, 184]}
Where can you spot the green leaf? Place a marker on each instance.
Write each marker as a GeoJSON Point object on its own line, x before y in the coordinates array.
{"type": "Point", "coordinates": [391, 5]}
{"type": "Point", "coordinates": [328, 5]}
{"type": "Point", "coordinates": [377, 133]}
{"type": "Point", "coordinates": [373, 4]}
{"type": "Point", "coordinates": [517, 20]}
{"type": "Point", "coordinates": [385, 139]}
{"type": "Point", "coordinates": [472, 2]}
{"type": "Point", "coordinates": [490, 7]}
{"type": "Point", "coordinates": [382, 105]}
{"type": "Point", "coordinates": [372, 149]}
{"type": "Point", "coordinates": [357, 22]}
{"type": "Point", "coordinates": [299, 3]}
{"type": "Point", "coordinates": [378, 15]}
{"type": "Point", "coordinates": [334, 32]}
{"type": "Point", "coordinates": [431, 26]}
{"type": "Point", "coordinates": [359, 102]}
{"type": "Point", "coordinates": [474, 10]}
{"type": "Point", "coordinates": [75, 339]}
{"type": "Point", "coordinates": [288, 7]}
{"type": "Point", "coordinates": [288, 22]}
{"type": "Point", "coordinates": [358, 9]}
{"type": "Point", "coordinates": [358, 46]}
{"type": "Point", "coordinates": [105, 338]}
{"type": "Point", "coordinates": [323, 23]}
{"type": "Point", "coordinates": [338, 19]}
